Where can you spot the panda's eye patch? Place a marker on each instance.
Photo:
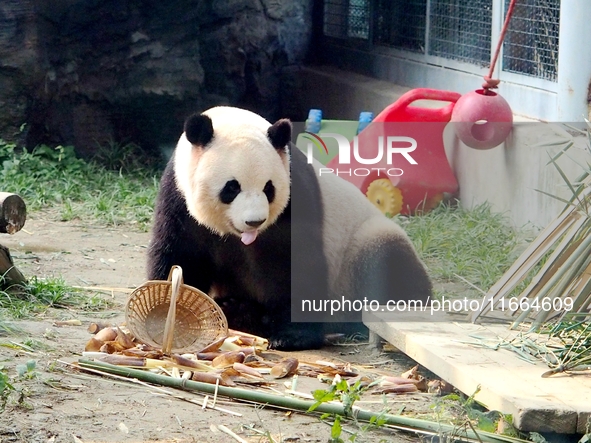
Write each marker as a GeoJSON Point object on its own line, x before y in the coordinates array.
{"type": "Point", "coordinates": [230, 191]}
{"type": "Point", "coordinates": [269, 191]}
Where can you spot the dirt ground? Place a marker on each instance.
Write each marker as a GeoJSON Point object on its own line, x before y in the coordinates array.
{"type": "Point", "coordinates": [61, 404]}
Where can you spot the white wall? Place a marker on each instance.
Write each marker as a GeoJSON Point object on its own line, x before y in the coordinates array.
{"type": "Point", "coordinates": [511, 175]}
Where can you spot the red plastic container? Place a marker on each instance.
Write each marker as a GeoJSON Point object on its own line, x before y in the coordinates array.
{"type": "Point", "coordinates": [393, 182]}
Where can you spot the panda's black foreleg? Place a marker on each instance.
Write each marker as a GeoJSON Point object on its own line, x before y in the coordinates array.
{"type": "Point", "coordinates": [287, 335]}
{"type": "Point", "coordinates": [298, 336]}
{"type": "Point", "coordinates": [293, 326]}
{"type": "Point", "coordinates": [271, 322]}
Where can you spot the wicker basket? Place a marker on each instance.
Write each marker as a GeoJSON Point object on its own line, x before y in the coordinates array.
{"type": "Point", "coordinates": [177, 317]}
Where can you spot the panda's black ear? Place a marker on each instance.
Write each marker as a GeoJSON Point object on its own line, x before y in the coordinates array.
{"type": "Point", "coordinates": [199, 129]}
{"type": "Point", "coordinates": [280, 133]}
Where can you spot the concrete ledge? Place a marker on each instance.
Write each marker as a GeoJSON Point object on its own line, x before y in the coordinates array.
{"type": "Point", "coordinates": [561, 403]}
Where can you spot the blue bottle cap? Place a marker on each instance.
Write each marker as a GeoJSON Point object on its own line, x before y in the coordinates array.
{"type": "Point", "coordinates": [315, 115]}
{"type": "Point", "coordinates": [366, 116]}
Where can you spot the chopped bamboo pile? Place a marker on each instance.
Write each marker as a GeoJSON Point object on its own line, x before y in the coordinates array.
{"type": "Point", "coordinates": [240, 367]}
{"type": "Point", "coordinates": [239, 358]}
{"type": "Point", "coordinates": [400, 422]}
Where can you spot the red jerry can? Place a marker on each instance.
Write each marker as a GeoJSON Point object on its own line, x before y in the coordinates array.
{"type": "Point", "coordinates": [399, 160]}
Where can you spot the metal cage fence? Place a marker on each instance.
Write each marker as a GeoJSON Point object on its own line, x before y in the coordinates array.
{"type": "Point", "coordinates": [453, 29]}
{"type": "Point", "coordinates": [401, 24]}
{"type": "Point", "coordinates": [346, 18]}
{"type": "Point", "coordinates": [460, 30]}
{"type": "Point", "coordinates": [531, 43]}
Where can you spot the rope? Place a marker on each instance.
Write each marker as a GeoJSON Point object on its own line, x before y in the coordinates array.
{"type": "Point", "coordinates": [489, 82]}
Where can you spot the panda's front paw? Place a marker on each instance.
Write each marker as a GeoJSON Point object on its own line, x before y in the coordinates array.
{"type": "Point", "coordinates": [296, 338]}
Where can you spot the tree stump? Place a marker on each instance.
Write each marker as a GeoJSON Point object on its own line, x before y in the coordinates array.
{"type": "Point", "coordinates": [13, 213]}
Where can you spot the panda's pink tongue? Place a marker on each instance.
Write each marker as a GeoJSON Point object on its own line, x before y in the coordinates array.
{"type": "Point", "coordinates": [249, 236]}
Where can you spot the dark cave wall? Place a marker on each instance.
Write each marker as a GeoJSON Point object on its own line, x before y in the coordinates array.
{"type": "Point", "coordinates": [86, 72]}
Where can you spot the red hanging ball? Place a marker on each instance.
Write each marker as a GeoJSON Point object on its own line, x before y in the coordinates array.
{"type": "Point", "coordinates": [482, 119]}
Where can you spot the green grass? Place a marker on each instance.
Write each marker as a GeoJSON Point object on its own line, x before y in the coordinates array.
{"type": "Point", "coordinates": [41, 294]}
{"type": "Point", "coordinates": [7, 328]}
{"type": "Point", "coordinates": [477, 245]}
{"type": "Point", "coordinates": [55, 184]}
{"type": "Point", "coordinates": [55, 181]}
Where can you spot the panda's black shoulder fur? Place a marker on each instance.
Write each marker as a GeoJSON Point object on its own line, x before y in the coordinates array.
{"type": "Point", "coordinates": [252, 284]}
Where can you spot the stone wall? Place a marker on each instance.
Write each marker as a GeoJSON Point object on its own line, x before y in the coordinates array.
{"type": "Point", "coordinates": [86, 72]}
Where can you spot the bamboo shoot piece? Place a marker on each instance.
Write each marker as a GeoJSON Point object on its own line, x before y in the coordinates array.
{"type": "Point", "coordinates": [94, 328]}
{"type": "Point", "coordinates": [228, 359]}
{"type": "Point", "coordinates": [243, 369]}
{"type": "Point", "coordinates": [285, 368]}
{"type": "Point", "coordinates": [106, 334]}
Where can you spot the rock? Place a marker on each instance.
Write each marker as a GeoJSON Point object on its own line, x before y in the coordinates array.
{"type": "Point", "coordinates": [90, 72]}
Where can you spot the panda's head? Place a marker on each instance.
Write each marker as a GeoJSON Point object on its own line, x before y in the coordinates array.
{"type": "Point", "coordinates": [232, 167]}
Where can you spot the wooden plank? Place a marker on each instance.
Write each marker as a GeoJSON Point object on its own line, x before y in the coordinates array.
{"type": "Point", "coordinates": [507, 383]}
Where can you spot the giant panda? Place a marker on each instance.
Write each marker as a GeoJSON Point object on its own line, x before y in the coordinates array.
{"type": "Point", "coordinates": [235, 197]}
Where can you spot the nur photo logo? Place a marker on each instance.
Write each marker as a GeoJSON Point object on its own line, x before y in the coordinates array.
{"type": "Point", "coordinates": [383, 150]}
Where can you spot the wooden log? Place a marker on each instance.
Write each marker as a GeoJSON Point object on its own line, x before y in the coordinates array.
{"type": "Point", "coordinates": [13, 213]}
{"type": "Point", "coordinates": [12, 279]}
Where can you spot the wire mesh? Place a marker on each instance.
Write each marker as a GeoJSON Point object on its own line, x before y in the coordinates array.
{"type": "Point", "coordinates": [460, 30]}
{"type": "Point", "coordinates": [401, 24]}
{"type": "Point", "coordinates": [457, 29]}
{"type": "Point", "coordinates": [531, 43]}
{"type": "Point", "coordinates": [358, 24]}
{"type": "Point", "coordinates": [346, 18]}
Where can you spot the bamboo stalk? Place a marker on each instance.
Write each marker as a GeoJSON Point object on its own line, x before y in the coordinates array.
{"type": "Point", "coordinates": [554, 262]}
{"type": "Point", "coordinates": [582, 287]}
{"type": "Point", "coordinates": [527, 260]}
{"type": "Point", "coordinates": [584, 246]}
{"type": "Point", "coordinates": [293, 403]}
{"type": "Point", "coordinates": [563, 286]}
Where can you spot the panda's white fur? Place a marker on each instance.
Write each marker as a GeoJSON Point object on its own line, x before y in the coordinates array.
{"type": "Point", "coordinates": [240, 146]}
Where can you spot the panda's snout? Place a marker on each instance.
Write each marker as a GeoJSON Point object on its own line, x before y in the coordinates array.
{"type": "Point", "coordinates": [255, 223]}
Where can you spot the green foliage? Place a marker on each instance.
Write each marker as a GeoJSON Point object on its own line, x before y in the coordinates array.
{"type": "Point", "coordinates": [125, 157]}
{"type": "Point", "coordinates": [339, 391]}
{"type": "Point", "coordinates": [571, 348]}
{"type": "Point", "coordinates": [56, 181]}
{"type": "Point", "coordinates": [27, 370]}
{"type": "Point", "coordinates": [5, 388]}
{"type": "Point", "coordinates": [465, 412]}
{"type": "Point", "coordinates": [7, 328]}
{"type": "Point", "coordinates": [347, 395]}
{"type": "Point", "coordinates": [335, 431]}
{"type": "Point", "coordinates": [477, 244]}
{"type": "Point", "coordinates": [40, 294]}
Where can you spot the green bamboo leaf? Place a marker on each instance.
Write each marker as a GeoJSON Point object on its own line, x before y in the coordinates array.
{"type": "Point", "coordinates": [566, 180]}
{"type": "Point", "coordinates": [567, 202]}
{"type": "Point", "coordinates": [574, 128]}
{"type": "Point", "coordinates": [557, 141]}
{"type": "Point", "coordinates": [336, 430]}
{"type": "Point", "coordinates": [559, 153]}
{"type": "Point", "coordinates": [343, 385]}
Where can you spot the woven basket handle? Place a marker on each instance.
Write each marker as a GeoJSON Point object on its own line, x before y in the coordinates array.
{"type": "Point", "coordinates": [176, 278]}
